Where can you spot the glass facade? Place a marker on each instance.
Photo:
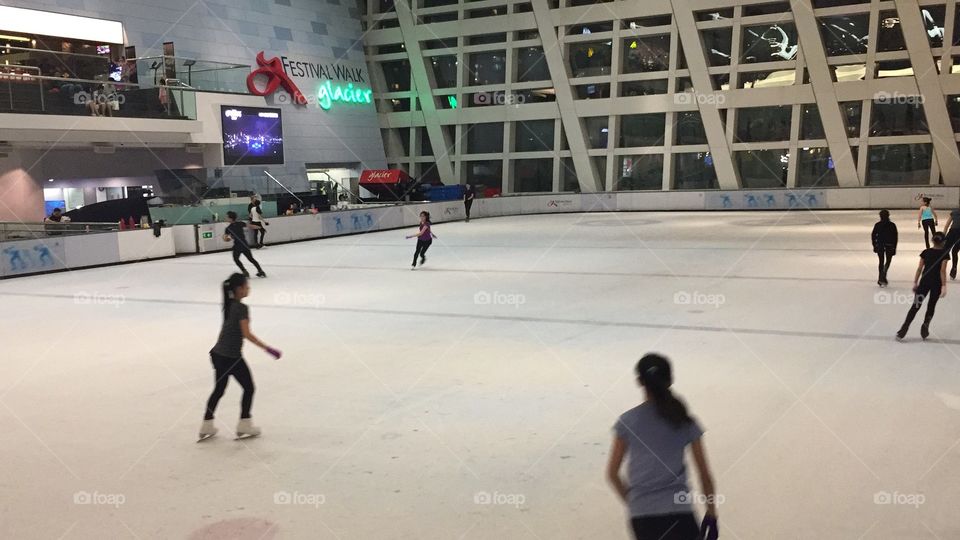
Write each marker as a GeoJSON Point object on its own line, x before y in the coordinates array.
{"type": "Point", "coordinates": [639, 107]}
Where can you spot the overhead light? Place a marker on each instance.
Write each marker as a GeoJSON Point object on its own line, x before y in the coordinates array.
{"type": "Point", "coordinates": [14, 38]}
{"type": "Point", "coordinates": [50, 180]}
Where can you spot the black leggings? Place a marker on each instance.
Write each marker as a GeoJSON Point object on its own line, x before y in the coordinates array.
{"type": "Point", "coordinates": [953, 244]}
{"type": "Point", "coordinates": [886, 257]}
{"type": "Point", "coordinates": [223, 367]}
{"type": "Point", "coordinates": [925, 290]}
{"type": "Point", "coordinates": [246, 252]}
{"type": "Point", "coordinates": [929, 227]}
{"type": "Point", "coordinates": [422, 247]}
{"type": "Point", "coordinates": [467, 205]}
{"type": "Point", "coordinates": [259, 234]}
{"type": "Point", "coordinates": [666, 527]}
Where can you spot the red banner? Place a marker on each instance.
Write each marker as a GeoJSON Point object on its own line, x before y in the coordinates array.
{"type": "Point", "coordinates": [383, 176]}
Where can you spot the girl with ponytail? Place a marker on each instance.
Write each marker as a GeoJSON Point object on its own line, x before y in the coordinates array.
{"type": "Point", "coordinates": [653, 437]}
{"type": "Point", "coordinates": [227, 358]}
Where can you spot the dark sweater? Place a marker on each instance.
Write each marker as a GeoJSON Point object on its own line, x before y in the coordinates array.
{"type": "Point", "coordinates": [884, 236]}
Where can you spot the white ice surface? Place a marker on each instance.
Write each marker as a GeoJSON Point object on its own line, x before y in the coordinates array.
{"type": "Point", "coordinates": [400, 398]}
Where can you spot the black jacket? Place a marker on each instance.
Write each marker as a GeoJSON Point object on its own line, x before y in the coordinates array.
{"type": "Point", "coordinates": [884, 236]}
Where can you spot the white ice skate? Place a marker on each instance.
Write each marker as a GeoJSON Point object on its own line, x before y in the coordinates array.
{"type": "Point", "coordinates": [246, 429]}
{"type": "Point", "coordinates": [207, 430]}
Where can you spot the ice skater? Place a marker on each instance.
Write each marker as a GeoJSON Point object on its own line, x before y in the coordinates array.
{"type": "Point", "coordinates": [257, 223]}
{"type": "Point", "coordinates": [927, 218]}
{"type": "Point", "coordinates": [952, 241]}
{"type": "Point", "coordinates": [468, 194]}
{"type": "Point", "coordinates": [884, 238]}
{"type": "Point", "coordinates": [236, 232]}
{"type": "Point", "coordinates": [227, 358]}
{"type": "Point", "coordinates": [424, 239]}
{"type": "Point", "coordinates": [929, 283]}
{"type": "Point", "coordinates": [653, 437]}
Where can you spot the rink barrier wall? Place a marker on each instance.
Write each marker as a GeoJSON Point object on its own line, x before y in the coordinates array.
{"type": "Point", "coordinates": [60, 253]}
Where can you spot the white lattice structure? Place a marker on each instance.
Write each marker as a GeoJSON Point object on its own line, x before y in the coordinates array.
{"type": "Point", "coordinates": [668, 94]}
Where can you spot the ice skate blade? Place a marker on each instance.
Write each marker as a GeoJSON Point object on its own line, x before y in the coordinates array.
{"type": "Point", "coordinates": [205, 437]}
{"type": "Point", "coordinates": [244, 436]}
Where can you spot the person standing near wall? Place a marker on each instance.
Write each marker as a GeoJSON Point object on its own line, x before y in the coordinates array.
{"type": "Point", "coordinates": [257, 223]}
{"type": "Point", "coordinates": [884, 238]}
{"type": "Point", "coordinates": [468, 195]}
{"type": "Point", "coordinates": [236, 232]}
{"type": "Point", "coordinates": [927, 218]}
{"type": "Point", "coordinates": [653, 437]}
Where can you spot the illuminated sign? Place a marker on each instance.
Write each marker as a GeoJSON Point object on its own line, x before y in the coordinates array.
{"type": "Point", "coordinates": [276, 77]}
{"type": "Point", "coordinates": [328, 94]}
{"type": "Point", "coordinates": [337, 81]}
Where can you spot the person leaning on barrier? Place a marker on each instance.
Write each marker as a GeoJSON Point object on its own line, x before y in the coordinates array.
{"type": "Point", "coordinates": [56, 222]}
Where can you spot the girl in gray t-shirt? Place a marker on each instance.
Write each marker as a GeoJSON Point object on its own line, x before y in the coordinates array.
{"type": "Point", "coordinates": [653, 437]}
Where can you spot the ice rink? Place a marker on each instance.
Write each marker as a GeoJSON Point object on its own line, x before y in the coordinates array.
{"type": "Point", "coordinates": [474, 398]}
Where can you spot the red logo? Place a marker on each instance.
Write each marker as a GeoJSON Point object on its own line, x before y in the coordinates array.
{"type": "Point", "coordinates": [276, 77]}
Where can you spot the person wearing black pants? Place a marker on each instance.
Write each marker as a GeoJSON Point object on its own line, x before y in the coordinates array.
{"type": "Point", "coordinates": [257, 223]}
{"type": "Point", "coordinates": [929, 282]}
{"type": "Point", "coordinates": [468, 194]}
{"type": "Point", "coordinates": [424, 239]}
{"type": "Point", "coordinates": [236, 232]}
{"type": "Point", "coordinates": [884, 238]}
{"type": "Point", "coordinates": [952, 242]}
{"type": "Point", "coordinates": [227, 358]}
{"type": "Point", "coordinates": [927, 218]}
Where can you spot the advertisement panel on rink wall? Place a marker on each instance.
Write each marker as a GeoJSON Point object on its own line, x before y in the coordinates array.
{"type": "Point", "coordinates": [349, 222]}
{"type": "Point", "coordinates": [766, 200]}
{"type": "Point", "coordinates": [32, 256]}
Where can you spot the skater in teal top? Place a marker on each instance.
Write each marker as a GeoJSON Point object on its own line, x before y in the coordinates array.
{"type": "Point", "coordinates": [927, 218]}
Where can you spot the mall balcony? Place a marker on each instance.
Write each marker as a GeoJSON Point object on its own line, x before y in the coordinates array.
{"type": "Point", "coordinates": [65, 98]}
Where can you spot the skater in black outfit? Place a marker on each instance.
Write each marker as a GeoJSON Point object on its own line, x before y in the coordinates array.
{"type": "Point", "coordinates": [424, 239]}
{"type": "Point", "coordinates": [257, 223]}
{"type": "Point", "coordinates": [929, 283]}
{"type": "Point", "coordinates": [952, 242]}
{"type": "Point", "coordinates": [653, 437]}
{"type": "Point", "coordinates": [884, 239]}
{"type": "Point", "coordinates": [927, 218]}
{"type": "Point", "coordinates": [468, 194]}
{"type": "Point", "coordinates": [236, 232]}
{"type": "Point", "coordinates": [228, 360]}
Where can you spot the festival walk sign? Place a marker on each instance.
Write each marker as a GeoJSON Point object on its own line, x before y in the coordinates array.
{"type": "Point", "coordinates": [333, 83]}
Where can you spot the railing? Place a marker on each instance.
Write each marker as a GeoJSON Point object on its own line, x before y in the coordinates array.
{"type": "Point", "coordinates": [11, 230]}
{"type": "Point", "coordinates": [197, 74]}
{"type": "Point", "coordinates": [21, 91]}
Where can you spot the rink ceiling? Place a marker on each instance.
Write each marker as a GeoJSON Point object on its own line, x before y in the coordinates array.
{"type": "Point", "coordinates": [402, 395]}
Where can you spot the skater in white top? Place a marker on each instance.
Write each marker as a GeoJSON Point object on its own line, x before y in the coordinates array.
{"type": "Point", "coordinates": [227, 358]}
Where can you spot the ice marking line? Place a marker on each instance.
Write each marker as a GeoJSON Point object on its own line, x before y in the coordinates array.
{"type": "Point", "coordinates": [513, 318]}
{"type": "Point", "coordinates": [565, 273]}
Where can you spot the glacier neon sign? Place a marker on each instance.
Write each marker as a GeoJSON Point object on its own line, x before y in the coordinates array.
{"type": "Point", "coordinates": [328, 94]}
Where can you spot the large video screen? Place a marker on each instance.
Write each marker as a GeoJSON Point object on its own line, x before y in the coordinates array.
{"type": "Point", "coordinates": [251, 136]}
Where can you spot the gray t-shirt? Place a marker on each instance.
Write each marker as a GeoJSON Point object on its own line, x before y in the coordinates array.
{"type": "Point", "coordinates": [656, 474]}
{"type": "Point", "coordinates": [231, 336]}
